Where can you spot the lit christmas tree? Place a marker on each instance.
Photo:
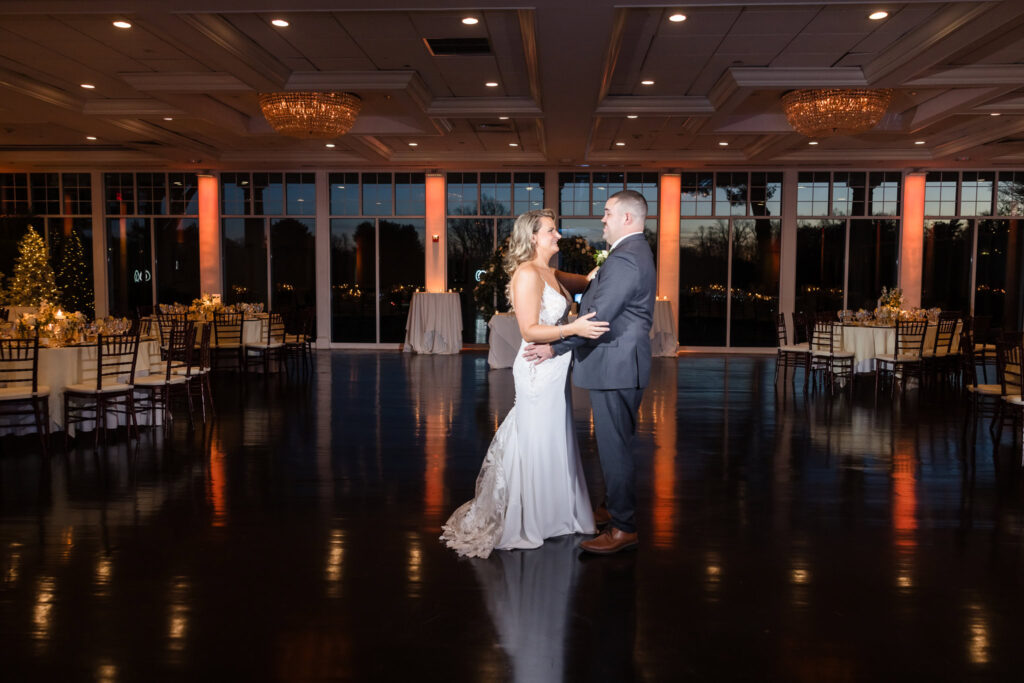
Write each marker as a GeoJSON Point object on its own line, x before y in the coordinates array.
{"type": "Point", "coordinates": [73, 277]}
{"type": "Point", "coordinates": [33, 279]}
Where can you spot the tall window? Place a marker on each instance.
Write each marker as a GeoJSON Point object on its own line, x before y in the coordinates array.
{"type": "Point", "coordinates": [972, 244]}
{"type": "Point", "coordinates": [729, 249]}
{"type": "Point", "coordinates": [59, 207]}
{"type": "Point", "coordinates": [481, 208]}
{"type": "Point", "coordinates": [152, 239]}
{"type": "Point", "coordinates": [847, 238]}
{"type": "Point", "coordinates": [377, 253]}
{"type": "Point", "coordinates": [268, 230]}
{"type": "Point", "coordinates": [582, 197]}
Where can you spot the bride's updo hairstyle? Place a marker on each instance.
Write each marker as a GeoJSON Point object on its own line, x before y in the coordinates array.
{"type": "Point", "coordinates": [520, 244]}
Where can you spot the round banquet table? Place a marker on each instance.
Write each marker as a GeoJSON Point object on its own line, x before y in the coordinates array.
{"type": "Point", "coordinates": [60, 367]}
{"type": "Point", "coordinates": [434, 324]}
{"type": "Point", "coordinates": [866, 342]}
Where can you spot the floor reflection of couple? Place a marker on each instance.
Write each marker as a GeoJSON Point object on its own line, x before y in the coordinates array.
{"type": "Point", "coordinates": [538, 598]}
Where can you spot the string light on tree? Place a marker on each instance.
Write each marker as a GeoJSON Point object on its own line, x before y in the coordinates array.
{"type": "Point", "coordinates": [72, 275]}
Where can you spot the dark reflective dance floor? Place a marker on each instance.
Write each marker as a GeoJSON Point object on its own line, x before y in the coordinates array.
{"type": "Point", "coordinates": [294, 538]}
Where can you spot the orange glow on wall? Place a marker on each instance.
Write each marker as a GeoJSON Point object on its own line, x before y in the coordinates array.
{"type": "Point", "coordinates": [435, 272]}
{"type": "Point", "coordinates": [209, 236]}
{"type": "Point", "coordinates": [912, 244]}
{"type": "Point", "coordinates": [668, 240]}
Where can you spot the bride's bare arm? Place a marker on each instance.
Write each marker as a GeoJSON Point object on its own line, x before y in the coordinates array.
{"type": "Point", "coordinates": [572, 282]}
{"type": "Point", "coordinates": [527, 290]}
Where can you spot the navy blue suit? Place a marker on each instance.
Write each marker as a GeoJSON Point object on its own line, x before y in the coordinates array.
{"type": "Point", "coordinates": [616, 367]}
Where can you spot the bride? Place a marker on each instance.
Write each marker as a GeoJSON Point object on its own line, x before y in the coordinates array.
{"type": "Point", "coordinates": [531, 484]}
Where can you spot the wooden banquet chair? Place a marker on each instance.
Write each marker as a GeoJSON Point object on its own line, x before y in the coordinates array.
{"type": "Point", "coordinates": [198, 374]}
{"type": "Point", "coordinates": [270, 345]}
{"type": "Point", "coordinates": [20, 392]}
{"type": "Point", "coordinates": [298, 343]}
{"type": "Point", "coordinates": [906, 359]}
{"type": "Point", "coordinates": [828, 358]}
{"type": "Point", "coordinates": [158, 387]}
{"type": "Point", "coordinates": [789, 355]}
{"type": "Point", "coordinates": [108, 386]}
{"type": "Point", "coordinates": [1010, 372]}
{"type": "Point", "coordinates": [227, 338]}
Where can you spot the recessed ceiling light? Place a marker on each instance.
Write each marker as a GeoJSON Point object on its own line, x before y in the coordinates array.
{"type": "Point", "coordinates": [677, 17]}
{"type": "Point", "coordinates": [620, 144]}
{"type": "Point", "coordinates": [723, 143]}
{"type": "Point", "coordinates": [995, 113]}
{"type": "Point", "coordinates": [281, 23]}
{"type": "Point", "coordinates": [631, 116]}
{"type": "Point", "coordinates": [880, 14]}
{"type": "Point", "coordinates": [919, 142]}
{"type": "Point", "coordinates": [470, 21]}
{"type": "Point", "coordinates": [503, 118]}
{"type": "Point", "coordinates": [491, 84]}
{"type": "Point", "coordinates": [414, 144]}
{"type": "Point", "coordinates": [168, 118]}
{"type": "Point", "coordinates": [513, 144]}
{"type": "Point", "coordinates": [88, 86]}
{"type": "Point", "coordinates": [122, 24]}
{"type": "Point", "coordinates": [647, 82]}
{"type": "Point", "coordinates": [329, 145]}
{"type": "Point", "coordinates": [813, 142]}
{"type": "Point", "coordinates": [90, 137]}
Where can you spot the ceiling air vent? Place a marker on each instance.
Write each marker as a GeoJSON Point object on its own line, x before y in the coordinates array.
{"type": "Point", "coordinates": [445, 47]}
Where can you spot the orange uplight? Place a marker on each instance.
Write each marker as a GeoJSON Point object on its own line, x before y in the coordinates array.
{"type": "Point", "coordinates": [218, 484]}
{"type": "Point", "coordinates": [912, 247]}
{"type": "Point", "coordinates": [435, 275]}
{"type": "Point", "coordinates": [209, 235]}
{"type": "Point", "coordinates": [668, 240]}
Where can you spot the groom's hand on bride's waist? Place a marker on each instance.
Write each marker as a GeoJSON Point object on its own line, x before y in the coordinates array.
{"type": "Point", "coordinates": [537, 353]}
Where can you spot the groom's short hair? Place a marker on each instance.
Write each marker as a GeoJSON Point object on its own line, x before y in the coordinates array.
{"type": "Point", "coordinates": [633, 202]}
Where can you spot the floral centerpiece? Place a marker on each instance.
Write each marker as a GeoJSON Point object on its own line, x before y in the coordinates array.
{"type": "Point", "coordinates": [890, 303]}
{"type": "Point", "coordinates": [206, 305]}
{"type": "Point", "coordinates": [51, 322]}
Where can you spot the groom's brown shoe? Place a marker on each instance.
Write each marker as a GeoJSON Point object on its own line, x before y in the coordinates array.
{"type": "Point", "coordinates": [610, 541]}
{"type": "Point", "coordinates": [601, 516]}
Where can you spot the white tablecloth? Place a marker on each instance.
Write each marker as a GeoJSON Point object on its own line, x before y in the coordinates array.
{"type": "Point", "coordinates": [664, 340]}
{"type": "Point", "coordinates": [866, 343]}
{"type": "Point", "coordinates": [504, 340]}
{"type": "Point", "coordinates": [434, 324]}
{"type": "Point", "coordinates": [61, 367]}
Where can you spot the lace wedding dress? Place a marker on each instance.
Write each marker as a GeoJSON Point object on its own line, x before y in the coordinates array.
{"type": "Point", "coordinates": [531, 484]}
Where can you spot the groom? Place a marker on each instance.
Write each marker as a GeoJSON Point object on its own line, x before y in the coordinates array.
{"type": "Point", "coordinates": [616, 366]}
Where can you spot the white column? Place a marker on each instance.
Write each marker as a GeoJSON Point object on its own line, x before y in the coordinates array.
{"type": "Point", "coordinates": [912, 239]}
{"type": "Point", "coordinates": [668, 241]}
{"type": "Point", "coordinates": [436, 266]}
{"type": "Point", "coordinates": [100, 282]}
{"type": "Point", "coordinates": [211, 263]}
{"type": "Point", "coordinates": [322, 264]}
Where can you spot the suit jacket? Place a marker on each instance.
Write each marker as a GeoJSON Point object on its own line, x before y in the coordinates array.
{"type": "Point", "coordinates": [623, 294]}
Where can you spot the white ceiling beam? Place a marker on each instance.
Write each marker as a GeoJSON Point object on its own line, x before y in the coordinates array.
{"type": "Point", "coordinates": [185, 81]}
{"type": "Point", "coordinates": [955, 28]}
{"type": "Point", "coordinates": [621, 105]}
{"type": "Point", "coordinates": [518, 107]}
{"type": "Point", "coordinates": [972, 75]}
{"type": "Point", "coordinates": [785, 78]}
{"type": "Point", "coordinates": [977, 134]}
{"type": "Point", "coordinates": [951, 103]}
{"type": "Point", "coordinates": [40, 91]}
{"type": "Point", "coordinates": [140, 108]}
{"type": "Point", "coordinates": [253, 64]}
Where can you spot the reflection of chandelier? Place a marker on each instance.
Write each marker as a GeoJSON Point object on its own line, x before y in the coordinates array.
{"type": "Point", "coordinates": [310, 114]}
{"type": "Point", "coordinates": [830, 111]}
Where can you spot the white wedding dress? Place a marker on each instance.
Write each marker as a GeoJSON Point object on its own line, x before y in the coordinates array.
{"type": "Point", "coordinates": [531, 484]}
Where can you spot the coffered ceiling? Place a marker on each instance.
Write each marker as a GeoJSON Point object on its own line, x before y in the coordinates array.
{"type": "Point", "coordinates": [179, 88]}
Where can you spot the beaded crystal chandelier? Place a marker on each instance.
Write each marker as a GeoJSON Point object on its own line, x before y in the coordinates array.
{"type": "Point", "coordinates": [310, 114]}
{"type": "Point", "coordinates": [831, 111]}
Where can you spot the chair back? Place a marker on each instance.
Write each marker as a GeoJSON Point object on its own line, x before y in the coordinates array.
{"type": "Point", "coordinates": [826, 335]}
{"type": "Point", "coordinates": [800, 328]}
{"type": "Point", "coordinates": [180, 346]}
{"type": "Point", "coordinates": [275, 329]}
{"type": "Point", "coordinates": [204, 347]}
{"type": "Point", "coordinates": [780, 329]}
{"type": "Point", "coordinates": [19, 363]}
{"type": "Point", "coordinates": [945, 332]}
{"type": "Point", "coordinates": [910, 337]}
{"type": "Point", "coordinates": [227, 328]}
{"type": "Point", "coordinates": [1009, 367]}
{"type": "Point", "coordinates": [164, 322]}
{"type": "Point", "coordinates": [116, 355]}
